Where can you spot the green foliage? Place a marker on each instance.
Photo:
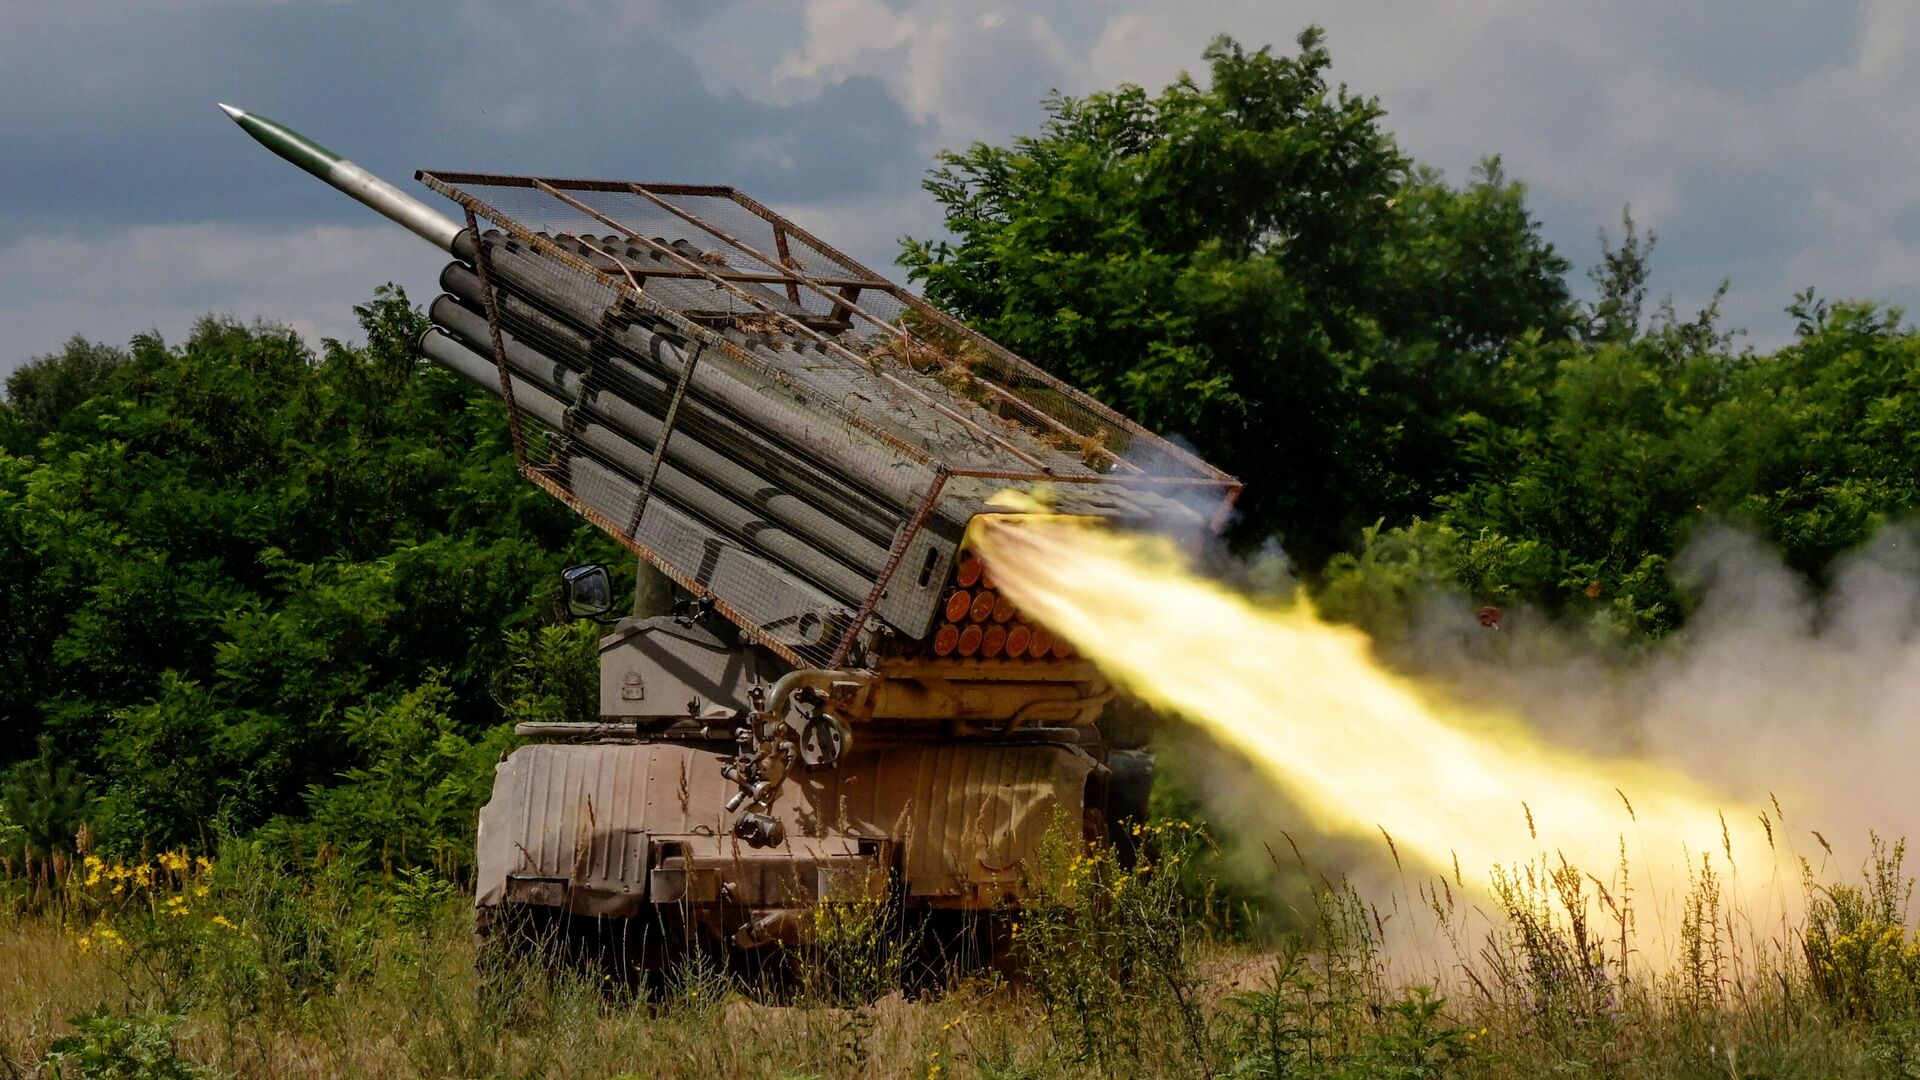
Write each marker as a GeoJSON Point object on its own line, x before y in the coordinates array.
{"type": "Point", "coordinates": [1377, 587]}
{"type": "Point", "coordinates": [1254, 265]}
{"type": "Point", "coordinates": [228, 559]}
{"type": "Point", "coordinates": [43, 805]}
{"type": "Point", "coordinates": [1597, 460]}
{"type": "Point", "coordinates": [109, 1047]}
{"type": "Point", "coordinates": [1860, 956]}
{"type": "Point", "coordinates": [45, 389]}
{"type": "Point", "coordinates": [251, 965]}
{"type": "Point", "coordinates": [553, 674]}
{"type": "Point", "coordinates": [1105, 944]}
{"type": "Point", "coordinates": [414, 799]}
{"type": "Point", "coordinates": [419, 897]}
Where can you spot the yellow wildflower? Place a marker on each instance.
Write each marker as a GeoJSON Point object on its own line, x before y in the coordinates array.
{"type": "Point", "coordinates": [201, 891]}
{"type": "Point", "coordinates": [222, 920]}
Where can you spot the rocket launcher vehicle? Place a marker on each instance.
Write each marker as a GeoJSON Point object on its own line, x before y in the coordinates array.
{"type": "Point", "coordinates": [795, 441]}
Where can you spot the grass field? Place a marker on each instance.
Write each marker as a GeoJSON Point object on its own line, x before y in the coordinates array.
{"type": "Point", "coordinates": [242, 966]}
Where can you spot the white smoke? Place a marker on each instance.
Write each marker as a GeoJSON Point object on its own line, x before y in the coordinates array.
{"type": "Point", "coordinates": [1778, 694]}
{"type": "Point", "coordinates": [1774, 688]}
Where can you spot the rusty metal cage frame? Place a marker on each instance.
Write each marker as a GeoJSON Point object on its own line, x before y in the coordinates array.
{"type": "Point", "coordinates": [788, 274]}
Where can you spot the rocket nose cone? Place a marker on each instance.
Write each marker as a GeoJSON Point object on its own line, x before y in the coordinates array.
{"type": "Point", "coordinates": [232, 113]}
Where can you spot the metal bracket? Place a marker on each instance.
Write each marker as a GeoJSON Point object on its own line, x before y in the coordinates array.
{"type": "Point", "coordinates": [482, 262]}
{"type": "Point", "coordinates": [666, 436]}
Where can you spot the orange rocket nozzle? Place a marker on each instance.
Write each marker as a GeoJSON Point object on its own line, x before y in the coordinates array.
{"type": "Point", "coordinates": [983, 604]}
{"type": "Point", "coordinates": [958, 605]}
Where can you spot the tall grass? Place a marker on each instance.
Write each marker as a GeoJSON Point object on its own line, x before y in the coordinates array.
{"type": "Point", "coordinates": [244, 966]}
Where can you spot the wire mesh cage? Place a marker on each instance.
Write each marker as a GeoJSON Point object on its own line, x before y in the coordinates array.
{"type": "Point", "coordinates": [792, 438]}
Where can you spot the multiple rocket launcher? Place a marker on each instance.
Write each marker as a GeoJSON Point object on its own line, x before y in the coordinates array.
{"type": "Point", "coordinates": [749, 424]}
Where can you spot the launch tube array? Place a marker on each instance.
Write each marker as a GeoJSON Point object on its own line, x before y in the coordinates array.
{"type": "Point", "coordinates": [797, 472]}
{"type": "Point", "coordinates": [743, 465]}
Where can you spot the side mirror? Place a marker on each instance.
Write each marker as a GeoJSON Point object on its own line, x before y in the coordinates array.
{"type": "Point", "coordinates": [587, 591]}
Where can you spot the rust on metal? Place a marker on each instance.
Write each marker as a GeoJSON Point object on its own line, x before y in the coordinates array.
{"type": "Point", "coordinates": [908, 530]}
{"type": "Point", "coordinates": [608, 829]}
{"type": "Point", "coordinates": [962, 406]}
{"type": "Point", "coordinates": [846, 304]}
{"type": "Point", "coordinates": [691, 330]}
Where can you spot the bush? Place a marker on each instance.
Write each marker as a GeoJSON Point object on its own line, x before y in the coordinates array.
{"type": "Point", "coordinates": [1107, 945]}
{"type": "Point", "coordinates": [109, 1047]}
{"type": "Point", "coordinates": [1860, 955]}
{"type": "Point", "coordinates": [414, 801]}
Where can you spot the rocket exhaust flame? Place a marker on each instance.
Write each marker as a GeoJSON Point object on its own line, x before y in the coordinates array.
{"type": "Point", "coordinates": [1359, 748]}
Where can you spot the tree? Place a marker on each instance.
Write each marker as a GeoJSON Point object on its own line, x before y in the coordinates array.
{"type": "Point", "coordinates": [1596, 460]}
{"type": "Point", "coordinates": [1620, 278]}
{"type": "Point", "coordinates": [229, 546]}
{"type": "Point", "coordinates": [47, 804]}
{"type": "Point", "coordinates": [1255, 266]}
{"type": "Point", "coordinates": [47, 388]}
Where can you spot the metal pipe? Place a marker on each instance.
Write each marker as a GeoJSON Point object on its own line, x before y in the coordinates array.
{"type": "Point", "coordinates": [718, 395]}
{"type": "Point", "coordinates": [599, 308]}
{"type": "Point", "coordinates": [727, 516]}
{"type": "Point", "coordinates": [685, 451]}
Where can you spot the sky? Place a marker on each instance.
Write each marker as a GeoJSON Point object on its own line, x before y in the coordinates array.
{"type": "Point", "coordinates": [1771, 145]}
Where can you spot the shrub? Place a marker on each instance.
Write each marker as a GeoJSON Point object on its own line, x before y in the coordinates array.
{"type": "Point", "coordinates": [1105, 945]}
{"type": "Point", "coordinates": [1860, 956]}
{"type": "Point", "coordinates": [109, 1047]}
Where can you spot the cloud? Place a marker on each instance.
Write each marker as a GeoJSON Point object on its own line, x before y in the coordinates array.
{"type": "Point", "coordinates": [1765, 144]}
{"type": "Point", "coordinates": [1768, 145]}
{"type": "Point", "coordinates": [867, 229]}
{"type": "Point", "coordinates": [962, 71]}
{"type": "Point", "coordinates": [1768, 142]}
{"type": "Point", "coordinates": [163, 277]}
{"type": "Point", "coordinates": [108, 131]}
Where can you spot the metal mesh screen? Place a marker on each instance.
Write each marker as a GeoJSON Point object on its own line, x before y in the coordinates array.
{"type": "Point", "coordinates": [761, 416]}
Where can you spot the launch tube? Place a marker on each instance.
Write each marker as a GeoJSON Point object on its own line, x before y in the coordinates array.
{"type": "Point", "coordinates": [849, 457]}
{"type": "Point", "coordinates": [787, 609]}
{"type": "Point", "coordinates": [691, 462]}
{"type": "Point", "coordinates": [739, 522]}
{"type": "Point", "coordinates": [745, 446]}
{"type": "Point", "coordinates": [748, 547]}
{"type": "Point", "coordinates": [584, 301]}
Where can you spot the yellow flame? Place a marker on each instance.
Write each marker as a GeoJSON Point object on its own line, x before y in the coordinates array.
{"type": "Point", "coordinates": [1358, 747]}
